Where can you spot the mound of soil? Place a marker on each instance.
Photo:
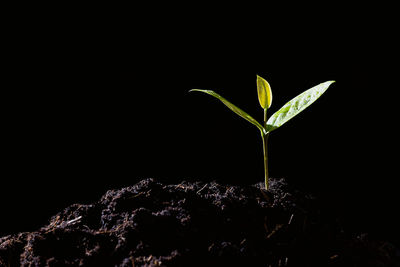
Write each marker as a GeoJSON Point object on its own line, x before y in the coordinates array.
{"type": "Point", "coordinates": [196, 224]}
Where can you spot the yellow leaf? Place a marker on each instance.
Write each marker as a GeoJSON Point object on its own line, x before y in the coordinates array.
{"type": "Point", "coordinates": [264, 92]}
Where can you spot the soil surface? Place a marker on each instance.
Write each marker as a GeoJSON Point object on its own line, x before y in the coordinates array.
{"type": "Point", "coordinates": [196, 224]}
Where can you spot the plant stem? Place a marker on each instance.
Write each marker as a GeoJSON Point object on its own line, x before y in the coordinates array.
{"type": "Point", "coordinates": [265, 149]}
{"type": "Point", "coordinates": [265, 141]}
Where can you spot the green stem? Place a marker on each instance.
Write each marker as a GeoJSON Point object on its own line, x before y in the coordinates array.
{"type": "Point", "coordinates": [265, 119]}
{"type": "Point", "coordinates": [265, 149]}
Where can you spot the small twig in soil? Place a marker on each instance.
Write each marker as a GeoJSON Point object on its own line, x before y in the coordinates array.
{"type": "Point", "coordinates": [138, 194]}
{"type": "Point", "coordinates": [290, 220]}
{"type": "Point", "coordinates": [201, 189]}
{"type": "Point", "coordinates": [74, 220]}
{"type": "Point", "coordinates": [277, 228]}
{"type": "Point", "coordinates": [53, 224]}
{"type": "Point", "coordinates": [182, 187]}
{"type": "Point", "coordinates": [230, 189]}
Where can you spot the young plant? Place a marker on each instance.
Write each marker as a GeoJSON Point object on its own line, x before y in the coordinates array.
{"type": "Point", "coordinates": [283, 115]}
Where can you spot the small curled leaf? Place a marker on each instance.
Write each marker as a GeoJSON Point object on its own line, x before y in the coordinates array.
{"type": "Point", "coordinates": [264, 92]}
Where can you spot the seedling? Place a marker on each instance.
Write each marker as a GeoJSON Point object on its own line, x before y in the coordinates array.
{"type": "Point", "coordinates": [283, 115]}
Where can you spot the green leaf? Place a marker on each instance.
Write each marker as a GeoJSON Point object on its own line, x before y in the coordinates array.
{"type": "Point", "coordinates": [264, 93]}
{"type": "Point", "coordinates": [231, 106]}
{"type": "Point", "coordinates": [296, 105]}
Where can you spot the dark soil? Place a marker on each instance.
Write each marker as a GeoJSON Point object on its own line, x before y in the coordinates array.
{"type": "Point", "coordinates": [196, 224]}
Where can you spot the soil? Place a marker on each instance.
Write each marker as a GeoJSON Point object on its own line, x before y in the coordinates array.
{"type": "Point", "coordinates": [196, 224]}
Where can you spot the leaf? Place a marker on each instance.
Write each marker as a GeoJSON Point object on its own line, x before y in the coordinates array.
{"type": "Point", "coordinates": [264, 93]}
{"type": "Point", "coordinates": [296, 105]}
{"type": "Point", "coordinates": [232, 107]}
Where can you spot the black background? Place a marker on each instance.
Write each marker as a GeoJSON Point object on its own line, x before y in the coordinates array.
{"type": "Point", "coordinates": [99, 100]}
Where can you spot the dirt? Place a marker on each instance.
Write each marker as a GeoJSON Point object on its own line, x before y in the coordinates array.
{"type": "Point", "coordinates": [197, 224]}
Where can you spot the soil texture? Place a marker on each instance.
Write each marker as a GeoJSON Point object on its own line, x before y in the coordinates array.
{"type": "Point", "coordinates": [196, 224]}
